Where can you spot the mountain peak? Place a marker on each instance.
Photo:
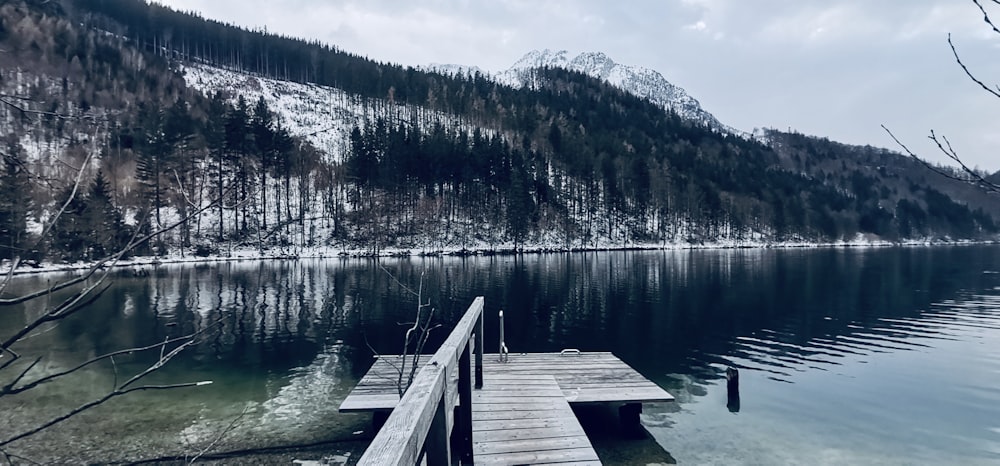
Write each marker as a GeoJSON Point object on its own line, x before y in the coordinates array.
{"type": "Point", "coordinates": [639, 81]}
{"type": "Point", "coordinates": [542, 58]}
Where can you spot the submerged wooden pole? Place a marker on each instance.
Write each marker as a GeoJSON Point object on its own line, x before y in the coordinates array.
{"type": "Point", "coordinates": [733, 389]}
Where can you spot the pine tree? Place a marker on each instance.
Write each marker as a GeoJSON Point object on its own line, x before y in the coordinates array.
{"type": "Point", "coordinates": [14, 202]}
{"type": "Point", "coordinates": [215, 139]}
{"type": "Point", "coordinates": [69, 233]}
{"type": "Point", "coordinates": [237, 148]}
{"type": "Point", "coordinates": [262, 129]}
{"type": "Point", "coordinates": [520, 204]}
{"type": "Point", "coordinates": [151, 160]}
{"type": "Point", "coordinates": [101, 220]}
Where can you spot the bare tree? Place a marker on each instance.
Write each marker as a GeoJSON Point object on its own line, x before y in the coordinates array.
{"type": "Point", "coordinates": [415, 337]}
{"type": "Point", "coordinates": [964, 172]}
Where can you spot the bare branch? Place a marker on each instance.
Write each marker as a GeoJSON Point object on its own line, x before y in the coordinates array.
{"type": "Point", "coordinates": [10, 390]}
{"type": "Point", "coordinates": [120, 390]}
{"type": "Point", "coordinates": [9, 100]}
{"type": "Point", "coordinates": [23, 373]}
{"type": "Point", "coordinates": [986, 15]}
{"type": "Point", "coordinates": [972, 176]}
{"type": "Point", "coordinates": [114, 366]}
{"type": "Point", "coordinates": [968, 72]}
{"type": "Point", "coordinates": [10, 274]}
{"type": "Point", "coordinates": [180, 187]}
{"type": "Point", "coordinates": [10, 458]}
{"type": "Point", "coordinates": [399, 283]}
{"type": "Point", "coordinates": [72, 304]}
{"type": "Point", "coordinates": [230, 427]}
{"type": "Point", "coordinates": [76, 187]}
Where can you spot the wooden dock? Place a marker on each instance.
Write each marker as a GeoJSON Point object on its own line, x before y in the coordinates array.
{"type": "Point", "coordinates": [582, 377]}
{"type": "Point", "coordinates": [519, 412]}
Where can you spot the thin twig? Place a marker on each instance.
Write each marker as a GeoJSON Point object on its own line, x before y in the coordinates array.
{"type": "Point", "coordinates": [123, 389]}
{"type": "Point", "coordinates": [968, 72]}
{"type": "Point", "coordinates": [971, 175]}
{"type": "Point", "coordinates": [23, 373]}
{"type": "Point", "coordinates": [8, 456]}
{"type": "Point", "coordinates": [986, 16]}
{"type": "Point", "coordinates": [114, 366]}
{"type": "Point", "coordinates": [230, 427]}
{"type": "Point", "coordinates": [399, 283]}
{"type": "Point", "coordinates": [10, 390]}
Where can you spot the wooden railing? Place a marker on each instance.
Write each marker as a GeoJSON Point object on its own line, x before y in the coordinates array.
{"type": "Point", "coordinates": [423, 421]}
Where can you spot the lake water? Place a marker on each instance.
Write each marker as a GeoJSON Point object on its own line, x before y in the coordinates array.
{"type": "Point", "coordinates": [872, 356]}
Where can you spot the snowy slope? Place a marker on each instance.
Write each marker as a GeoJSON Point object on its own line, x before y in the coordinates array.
{"type": "Point", "coordinates": [639, 81]}
{"type": "Point", "coordinates": [323, 115]}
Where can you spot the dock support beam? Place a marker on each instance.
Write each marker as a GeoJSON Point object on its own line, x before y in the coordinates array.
{"type": "Point", "coordinates": [628, 414]}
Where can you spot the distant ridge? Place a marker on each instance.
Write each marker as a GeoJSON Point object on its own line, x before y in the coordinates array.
{"type": "Point", "coordinates": [636, 80]}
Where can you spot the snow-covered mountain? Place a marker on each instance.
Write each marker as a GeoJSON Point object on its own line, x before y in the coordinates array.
{"type": "Point", "coordinates": [639, 81]}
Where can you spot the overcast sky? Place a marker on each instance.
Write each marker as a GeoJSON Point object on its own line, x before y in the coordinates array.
{"type": "Point", "coordinates": [834, 68]}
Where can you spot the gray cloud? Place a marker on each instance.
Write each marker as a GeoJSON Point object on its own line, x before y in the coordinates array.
{"type": "Point", "coordinates": [835, 68]}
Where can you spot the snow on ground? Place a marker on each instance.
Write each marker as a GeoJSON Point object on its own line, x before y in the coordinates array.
{"type": "Point", "coordinates": [323, 115]}
{"type": "Point", "coordinates": [251, 254]}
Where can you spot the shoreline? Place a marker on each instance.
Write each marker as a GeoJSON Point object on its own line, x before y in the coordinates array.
{"type": "Point", "coordinates": [240, 255]}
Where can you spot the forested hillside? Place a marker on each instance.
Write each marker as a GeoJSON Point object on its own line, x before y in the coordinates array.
{"type": "Point", "coordinates": [105, 91]}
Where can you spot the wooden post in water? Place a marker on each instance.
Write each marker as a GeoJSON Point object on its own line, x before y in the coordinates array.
{"type": "Point", "coordinates": [733, 389]}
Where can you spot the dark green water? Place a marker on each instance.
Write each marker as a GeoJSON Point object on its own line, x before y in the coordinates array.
{"type": "Point", "coordinates": [872, 356]}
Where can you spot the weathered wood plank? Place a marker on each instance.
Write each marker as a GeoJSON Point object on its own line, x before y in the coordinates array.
{"type": "Point", "coordinates": [530, 423]}
{"type": "Point", "coordinates": [368, 403]}
{"type": "Point", "coordinates": [477, 407]}
{"type": "Point", "coordinates": [484, 415]}
{"type": "Point", "coordinates": [506, 435]}
{"type": "Point", "coordinates": [526, 424]}
{"type": "Point", "coordinates": [578, 382]}
{"type": "Point", "coordinates": [513, 446]}
{"type": "Point", "coordinates": [539, 457]}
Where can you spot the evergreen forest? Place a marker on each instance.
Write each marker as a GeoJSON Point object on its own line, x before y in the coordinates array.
{"type": "Point", "coordinates": [101, 131]}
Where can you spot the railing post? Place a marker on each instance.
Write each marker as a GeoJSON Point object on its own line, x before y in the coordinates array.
{"type": "Point", "coordinates": [463, 423]}
{"type": "Point", "coordinates": [437, 446]}
{"type": "Point", "coordinates": [479, 351]}
{"type": "Point", "coordinates": [502, 349]}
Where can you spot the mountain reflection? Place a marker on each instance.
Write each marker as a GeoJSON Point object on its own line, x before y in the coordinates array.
{"type": "Point", "coordinates": [663, 312]}
{"type": "Point", "coordinates": [289, 339]}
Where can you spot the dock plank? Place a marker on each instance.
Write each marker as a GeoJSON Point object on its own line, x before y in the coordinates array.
{"type": "Point", "coordinates": [577, 455]}
{"type": "Point", "coordinates": [502, 436]}
{"type": "Point", "coordinates": [582, 377]}
{"type": "Point", "coordinates": [598, 377]}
